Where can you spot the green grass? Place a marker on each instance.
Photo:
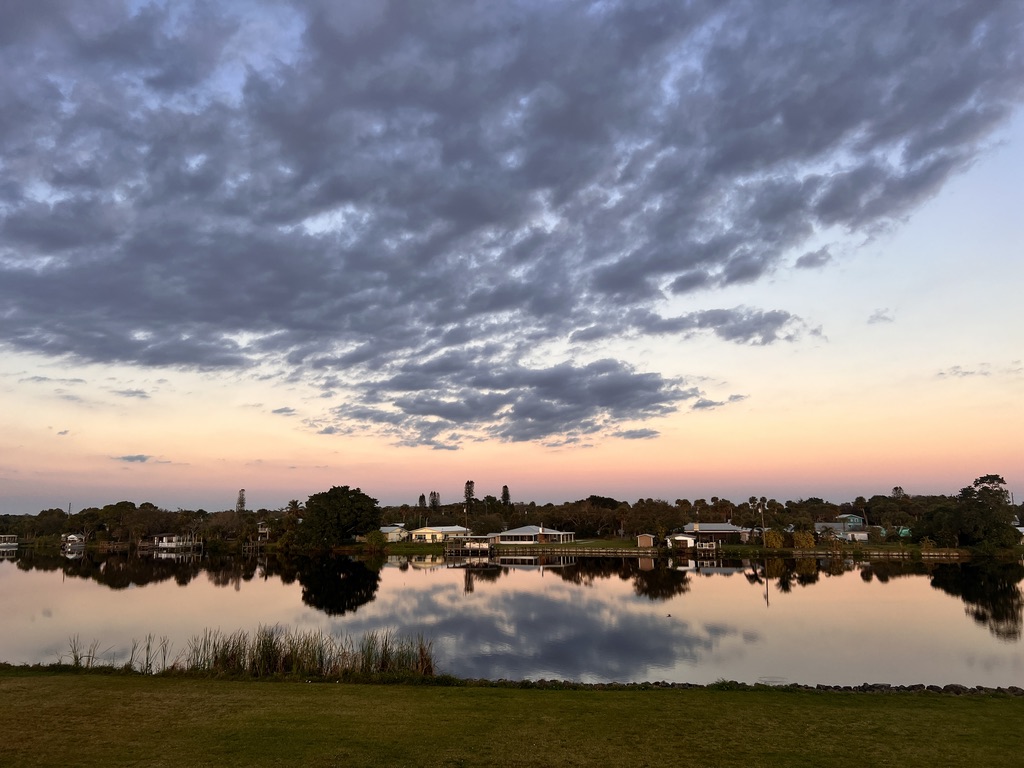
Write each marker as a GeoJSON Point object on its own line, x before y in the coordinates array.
{"type": "Point", "coordinates": [85, 719]}
{"type": "Point", "coordinates": [594, 544]}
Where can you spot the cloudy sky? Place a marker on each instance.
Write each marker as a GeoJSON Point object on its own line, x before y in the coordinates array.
{"type": "Point", "coordinates": [670, 249]}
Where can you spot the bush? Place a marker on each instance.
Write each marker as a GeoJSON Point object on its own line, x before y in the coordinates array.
{"type": "Point", "coordinates": [803, 540]}
{"type": "Point", "coordinates": [376, 542]}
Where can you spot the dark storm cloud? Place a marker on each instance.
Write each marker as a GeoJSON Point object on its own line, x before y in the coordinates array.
{"type": "Point", "coordinates": [416, 205]}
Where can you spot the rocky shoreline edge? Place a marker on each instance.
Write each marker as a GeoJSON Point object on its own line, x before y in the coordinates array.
{"type": "Point", "coordinates": [951, 689]}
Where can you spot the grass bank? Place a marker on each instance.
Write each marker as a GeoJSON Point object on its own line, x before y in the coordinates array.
{"type": "Point", "coordinates": [83, 719]}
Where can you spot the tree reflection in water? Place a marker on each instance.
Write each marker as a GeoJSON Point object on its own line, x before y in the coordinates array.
{"type": "Point", "coordinates": [336, 585]}
{"type": "Point", "coordinates": [991, 593]}
{"type": "Point", "coordinates": [990, 589]}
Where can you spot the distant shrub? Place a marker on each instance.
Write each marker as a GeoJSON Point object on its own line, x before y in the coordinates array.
{"type": "Point", "coordinates": [803, 540]}
{"type": "Point", "coordinates": [376, 542]}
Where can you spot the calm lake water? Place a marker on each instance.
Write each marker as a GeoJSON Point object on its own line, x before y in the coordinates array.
{"type": "Point", "coordinates": [590, 620]}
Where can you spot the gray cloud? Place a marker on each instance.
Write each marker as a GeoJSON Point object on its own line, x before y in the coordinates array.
{"type": "Point", "coordinates": [637, 434]}
{"type": "Point", "coordinates": [414, 208]}
{"type": "Point", "coordinates": [285, 411]}
{"type": "Point", "coordinates": [959, 372]}
{"type": "Point", "coordinates": [706, 404]}
{"type": "Point", "coordinates": [880, 316]}
{"type": "Point", "coordinates": [49, 380]}
{"type": "Point", "coordinates": [814, 259]}
{"type": "Point", "coordinates": [136, 458]}
{"type": "Point", "coordinates": [136, 393]}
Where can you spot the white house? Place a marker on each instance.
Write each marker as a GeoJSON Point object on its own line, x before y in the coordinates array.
{"type": "Point", "coordinates": [681, 541]}
{"type": "Point", "coordinates": [839, 530]}
{"type": "Point", "coordinates": [167, 541]}
{"type": "Point", "coordinates": [535, 534]}
{"type": "Point", "coordinates": [437, 533]}
{"type": "Point", "coordinates": [395, 532]}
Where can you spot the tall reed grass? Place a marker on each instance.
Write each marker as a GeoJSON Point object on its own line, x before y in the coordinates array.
{"type": "Point", "coordinates": [271, 651]}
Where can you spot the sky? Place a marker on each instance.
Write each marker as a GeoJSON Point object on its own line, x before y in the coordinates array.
{"type": "Point", "coordinates": [635, 249]}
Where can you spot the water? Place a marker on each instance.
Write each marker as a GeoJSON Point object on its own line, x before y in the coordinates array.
{"type": "Point", "coordinates": [594, 620]}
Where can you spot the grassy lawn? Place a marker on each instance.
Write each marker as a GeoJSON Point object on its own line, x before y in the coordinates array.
{"type": "Point", "coordinates": [596, 544]}
{"type": "Point", "coordinates": [94, 719]}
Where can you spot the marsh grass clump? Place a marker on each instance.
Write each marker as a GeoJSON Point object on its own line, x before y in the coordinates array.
{"type": "Point", "coordinates": [275, 652]}
{"type": "Point", "coordinates": [272, 652]}
{"type": "Point", "coordinates": [80, 656]}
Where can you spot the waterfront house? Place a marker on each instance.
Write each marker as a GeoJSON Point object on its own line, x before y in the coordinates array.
{"type": "Point", "coordinates": [838, 530]}
{"type": "Point", "coordinates": [8, 545]}
{"type": "Point", "coordinates": [437, 533]}
{"type": "Point", "coordinates": [395, 532]}
{"type": "Point", "coordinates": [535, 534]}
{"type": "Point", "coordinates": [851, 521]}
{"type": "Point", "coordinates": [175, 541]}
{"type": "Point", "coordinates": [681, 541]}
{"type": "Point", "coordinates": [716, 534]}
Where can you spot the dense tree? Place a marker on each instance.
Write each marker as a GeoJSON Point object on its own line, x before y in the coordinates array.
{"type": "Point", "coordinates": [980, 515]}
{"type": "Point", "coordinates": [422, 503]}
{"type": "Point", "coordinates": [470, 492]}
{"type": "Point", "coordinates": [240, 502]}
{"type": "Point", "coordinates": [49, 522]}
{"type": "Point", "coordinates": [337, 516]}
{"type": "Point", "coordinates": [506, 498]}
{"type": "Point", "coordinates": [435, 501]}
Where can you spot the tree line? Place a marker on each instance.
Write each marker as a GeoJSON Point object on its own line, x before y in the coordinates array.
{"type": "Point", "coordinates": [979, 514]}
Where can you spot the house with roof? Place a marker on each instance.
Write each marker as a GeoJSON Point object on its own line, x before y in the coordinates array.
{"type": "Point", "coordinates": [851, 521]}
{"type": "Point", "coordinates": [535, 534]}
{"type": "Point", "coordinates": [395, 532]}
{"type": "Point", "coordinates": [717, 533]}
{"type": "Point", "coordinates": [838, 530]}
{"type": "Point", "coordinates": [681, 541]}
{"type": "Point", "coordinates": [437, 533]}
